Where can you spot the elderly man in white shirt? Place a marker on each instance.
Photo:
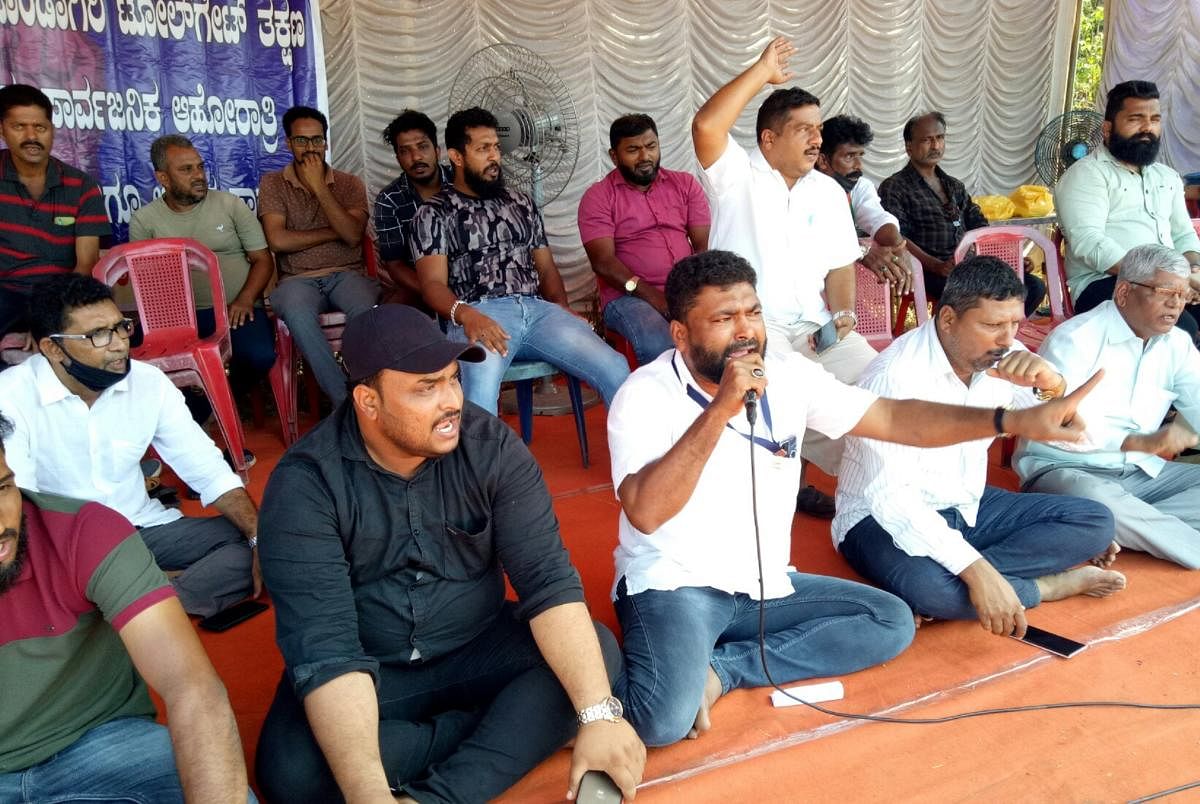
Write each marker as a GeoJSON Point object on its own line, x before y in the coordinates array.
{"type": "Point", "coordinates": [790, 222]}
{"type": "Point", "coordinates": [923, 524]}
{"type": "Point", "coordinates": [85, 414]}
{"type": "Point", "coordinates": [1149, 366]}
{"type": "Point", "coordinates": [844, 141]}
{"type": "Point", "coordinates": [686, 462]}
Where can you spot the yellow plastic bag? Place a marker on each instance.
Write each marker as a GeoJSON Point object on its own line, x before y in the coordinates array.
{"type": "Point", "coordinates": [1032, 201]}
{"type": "Point", "coordinates": [995, 207]}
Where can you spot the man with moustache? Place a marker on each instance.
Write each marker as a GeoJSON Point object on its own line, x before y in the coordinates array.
{"type": "Point", "coordinates": [223, 223]}
{"type": "Point", "coordinates": [790, 222]}
{"type": "Point", "coordinates": [1119, 196]}
{"type": "Point", "coordinates": [636, 223]}
{"type": "Point", "coordinates": [52, 216]}
{"type": "Point", "coordinates": [844, 140]}
{"type": "Point", "coordinates": [86, 623]}
{"type": "Point", "coordinates": [485, 267]}
{"type": "Point", "coordinates": [413, 138]}
{"type": "Point", "coordinates": [315, 218]}
{"type": "Point", "coordinates": [1149, 367]}
{"type": "Point", "coordinates": [934, 208]}
{"type": "Point", "coordinates": [696, 513]}
{"type": "Point", "coordinates": [84, 416]}
{"type": "Point", "coordinates": [923, 523]}
{"type": "Point", "coordinates": [388, 532]}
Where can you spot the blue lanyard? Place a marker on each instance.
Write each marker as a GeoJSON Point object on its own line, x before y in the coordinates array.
{"type": "Point", "coordinates": [771, 446]}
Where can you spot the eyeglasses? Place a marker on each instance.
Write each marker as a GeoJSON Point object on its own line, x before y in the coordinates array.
{"type": "Point", "coordinates": [101, 337]}
{"type": "Point", "coordinates": [306, 142]}
{"type": "Point", "coordinates": [1165, 294]}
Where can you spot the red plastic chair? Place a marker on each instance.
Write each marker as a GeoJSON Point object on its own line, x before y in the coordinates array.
{"type": "Point", "coordinates": [1006, 243]}
{"type": "Point", "coordinates": [160, 272]}
{"type": "Point", "coordinates": [880, 307]}
{"type": "Point", "coordinates": [283, 374]}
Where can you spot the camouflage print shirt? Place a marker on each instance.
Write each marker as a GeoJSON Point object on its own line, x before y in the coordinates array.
{"type": "Point", "coordinates": [488, 242]}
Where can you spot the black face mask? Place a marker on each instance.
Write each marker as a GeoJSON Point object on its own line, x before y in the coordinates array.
{"type": "Point", "coordinates": [95, 379]}
{"type": "Point", "coordinates": [847, 182]}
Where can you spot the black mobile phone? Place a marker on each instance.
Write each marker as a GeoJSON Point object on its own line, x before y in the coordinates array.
{"type": "Point", "coordinates": [826, 336]}
{"type": "Point", "coordinates": [1052, 643]}
{"type": "Point", "coordinates": [597, 788]}
{"type": "Point", "coordinates": [237, 613]}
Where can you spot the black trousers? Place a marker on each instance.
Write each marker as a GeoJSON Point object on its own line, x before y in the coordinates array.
{"type": "Point", "coordinates": [463, 727]}
{"type": "Point", "coordinates": [1035, 290]}
{"type": "Point", "coordinates": [1101, 290]}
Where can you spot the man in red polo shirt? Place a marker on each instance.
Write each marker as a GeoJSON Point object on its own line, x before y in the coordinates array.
{"type": "Point", "coordinates": [52, 215]}
{"type": "Point", "coordinates": [85, 616]}
{"type": "Point", "coordinates": [636, 223]}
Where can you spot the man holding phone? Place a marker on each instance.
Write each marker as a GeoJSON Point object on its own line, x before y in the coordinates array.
{"type": "Point", "coordinates": [921, 523]}
{"type": "Point", "coordinates": [791, 223]}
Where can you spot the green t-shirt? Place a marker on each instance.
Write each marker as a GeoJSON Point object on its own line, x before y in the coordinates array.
{"type": "Point", "coordinates": [222, 221]}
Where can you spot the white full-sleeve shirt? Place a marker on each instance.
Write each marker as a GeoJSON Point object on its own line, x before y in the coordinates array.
{"type": "Point", "coordinates": [904, 487]}
{"type": "Point", "coordinates": [867, 209]}
{"type": "Point", "coordinates": [710, 542]}
{"type": "Point", "coordinates": [62, 446]}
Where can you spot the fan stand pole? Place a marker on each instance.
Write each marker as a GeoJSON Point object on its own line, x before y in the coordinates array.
{"type": "Point", "coordinates": [536, 185]}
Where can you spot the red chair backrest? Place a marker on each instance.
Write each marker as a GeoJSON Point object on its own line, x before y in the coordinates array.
{"type": "Point", "coordinates": [160, 272]}
{"type": "Point", "coordinates": [1006, 242]}
{"type": "Point", "coordinates": [872, 307]}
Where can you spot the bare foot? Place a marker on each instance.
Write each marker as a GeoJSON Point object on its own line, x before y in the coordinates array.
{"type": "Point", "coordinates": [712, 691]}
{"type": "Point", "coordinates": [1106, 558]}
{"type": "Point", "coordinates": [1087, 580]}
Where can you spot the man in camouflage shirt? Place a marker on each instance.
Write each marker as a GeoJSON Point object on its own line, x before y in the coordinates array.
{"type": "Point", "coordinates": [485, 266]}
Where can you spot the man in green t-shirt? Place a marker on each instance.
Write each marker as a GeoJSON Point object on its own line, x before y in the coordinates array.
{"type": "Point", "coordinates": [223, 223]}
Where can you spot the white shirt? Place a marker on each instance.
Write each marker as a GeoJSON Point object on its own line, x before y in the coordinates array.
{"type": "Point", "coordinates": [62, 446]}
{"type": "Point", "coordinates": [867, 209]}
{"type": "Point", "coordinates": [710, 542]}
{"type": "Point", "coordinates": [792, 238]}
{"type": "Point", "coordinates": [904, 487]}
{"type": "Point", "coordinates": [1141, 382]}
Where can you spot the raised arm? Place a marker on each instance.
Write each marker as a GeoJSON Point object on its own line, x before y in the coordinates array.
{"type": "Point", "coordinates": [168, 655]}
{"type": "Point", "coordinates": [711, 125]}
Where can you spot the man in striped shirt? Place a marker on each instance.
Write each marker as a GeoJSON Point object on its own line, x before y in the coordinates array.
{"type": "Point", "coordinates": [52, 215]}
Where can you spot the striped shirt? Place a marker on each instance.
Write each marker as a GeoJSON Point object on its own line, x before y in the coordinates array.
{"type": "Point", "coordinates": [37, 236]}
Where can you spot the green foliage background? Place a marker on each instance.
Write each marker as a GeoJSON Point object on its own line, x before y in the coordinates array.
{"type": "Point", "coordinates": [1089, 57]}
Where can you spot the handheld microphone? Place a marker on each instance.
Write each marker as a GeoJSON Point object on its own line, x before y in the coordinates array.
{"type": "Point", "coordinates": [752, 406]}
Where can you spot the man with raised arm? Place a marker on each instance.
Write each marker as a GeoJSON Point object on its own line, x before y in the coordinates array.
{"type": "Point", "coordinates": [790, 222]}
{"type": "Point", "coordinates": [704, 492]}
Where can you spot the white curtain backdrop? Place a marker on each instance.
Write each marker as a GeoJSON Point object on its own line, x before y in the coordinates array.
{"type": "Point", "coordinates": [996, 68]}
{"type": "Point", "coordinates": [1158, 40]}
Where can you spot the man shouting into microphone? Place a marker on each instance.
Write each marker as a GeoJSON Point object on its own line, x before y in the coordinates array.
{"type": "Point", "coordinates": [704, 492]}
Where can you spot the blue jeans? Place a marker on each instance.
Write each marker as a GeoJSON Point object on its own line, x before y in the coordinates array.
{"type": "Point", "coordinates": [1024, 536]}
{"type": "Point", "coordinates": [827, 627]}
{"type": "Point", "coordinates": [539, 330]}
{"type": "Point", "coordinates": [300, 300]}
{"type": "Point", "coordinates": [639, 323]}
{"type": "Point", "coordinates": [253, 345]}
{"type": "Point", "coordinates": [129, 759]}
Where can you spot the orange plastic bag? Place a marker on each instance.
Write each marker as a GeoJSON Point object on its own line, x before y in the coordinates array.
{"type": "Point", "coordinates": [995, 207]}
{"type": "Point", "coordinates": [1032, 201]}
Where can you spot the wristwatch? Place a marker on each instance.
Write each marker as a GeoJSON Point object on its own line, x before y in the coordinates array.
{"type": "Point", "coordinates": [1046, 394]}
{"type": "Point", "coordinates": [631, 284]}
{"type": "Point", "coordinates": [252, 542]}
{"type": "Point", "coordinates": [847, 314]}
{"type": "Point", "coordinates": [609, 709]}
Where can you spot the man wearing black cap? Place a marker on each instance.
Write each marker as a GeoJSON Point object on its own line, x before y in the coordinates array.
{"type": "Point", "coordinates": [383, 532]}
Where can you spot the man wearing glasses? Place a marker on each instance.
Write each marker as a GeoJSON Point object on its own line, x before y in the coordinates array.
{"type": "Point", "coordinates": [1149, 366]}
{"type": "Point", "coordinates": [85, 414]}
{"type": "Point", "coordinates": [315, 218]}
{"type": "Point", "coordinates": [934, 208]}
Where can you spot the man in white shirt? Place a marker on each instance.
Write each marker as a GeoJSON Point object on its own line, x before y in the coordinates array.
{"type": "Point", "coordinates": [688, 583]}
{"type": "Point", "coordinates": [85, 414]}
{"type": "Point", "coordinates": [844, 140]}
{"type": "Point", "coordinates": [1149, 366]}
{"type": "Point", "coordinates": [922, 523]}
{"type": "Point", "coordinates": [790, 222]}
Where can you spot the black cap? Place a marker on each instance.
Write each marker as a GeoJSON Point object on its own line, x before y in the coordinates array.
{"type": "Point", "coordinates": [395, 336]}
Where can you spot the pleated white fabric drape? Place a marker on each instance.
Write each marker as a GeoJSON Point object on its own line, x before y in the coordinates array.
{"type": "Point", "coordinates": [1159, 41]}
{"type": "Point", "coordinates": [996, 68]}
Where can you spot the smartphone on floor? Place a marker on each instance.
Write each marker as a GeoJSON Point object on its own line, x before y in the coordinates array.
{"type": "Point", "coordinates": [1052, 643]}
{"type": "Point", "coordinates": [237, 613]}
{"type": "Point", "coordinates": [597, 788]}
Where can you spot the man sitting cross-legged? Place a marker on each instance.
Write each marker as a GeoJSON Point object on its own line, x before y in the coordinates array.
{"type": "Point", "coordinates": [85, 616]}
{"type": "Point", "coordinates": [688, 588]}
{"type": "Point", "coordinates": [387, 535]}
{"type": "Point", "coordinates": [922, 523]}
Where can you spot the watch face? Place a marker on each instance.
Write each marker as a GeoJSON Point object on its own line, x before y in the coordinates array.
{"type": "Point", "coordinates": [631, 285]}
{"type": "Point", "coordinates": [616, 710]}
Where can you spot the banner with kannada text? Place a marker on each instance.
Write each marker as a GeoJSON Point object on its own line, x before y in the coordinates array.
{"type": "Point", "coordinates": [121, 73]}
